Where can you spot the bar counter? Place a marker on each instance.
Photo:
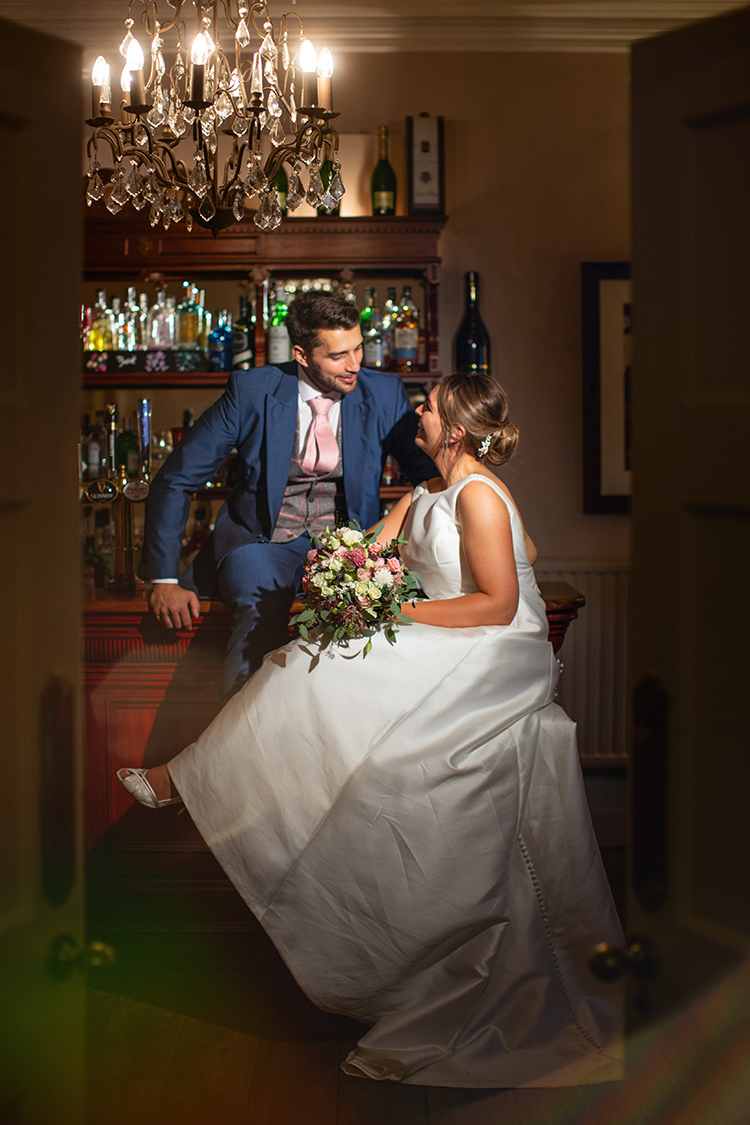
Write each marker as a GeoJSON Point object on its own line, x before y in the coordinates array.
{"type": "Point", "coordinates": [149, 691]}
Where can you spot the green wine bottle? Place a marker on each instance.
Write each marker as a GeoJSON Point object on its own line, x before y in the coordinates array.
{"type": "Point", "coordinates": [383, 183]}
{"type": "Point", "coordinates": [282, 187]}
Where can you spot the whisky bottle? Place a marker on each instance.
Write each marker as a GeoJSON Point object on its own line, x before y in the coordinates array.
{"type": "Point", "coordinates": [189, 320]}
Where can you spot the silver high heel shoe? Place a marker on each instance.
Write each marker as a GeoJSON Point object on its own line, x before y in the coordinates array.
{"type": "Point", "coordinates": [138, 786]}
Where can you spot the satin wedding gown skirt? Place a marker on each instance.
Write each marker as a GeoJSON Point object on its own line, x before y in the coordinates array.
{"type": "Point", "coordinates": [410, 828]}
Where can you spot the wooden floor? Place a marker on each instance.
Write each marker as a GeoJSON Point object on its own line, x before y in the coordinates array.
{"type": "Point", "coordinates": [209, 1028]}
{"type": "Point", "coordinates": [149, 1065]}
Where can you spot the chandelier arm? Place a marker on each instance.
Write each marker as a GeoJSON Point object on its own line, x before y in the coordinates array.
{"type": "Point", "coordinates": [176, 5]}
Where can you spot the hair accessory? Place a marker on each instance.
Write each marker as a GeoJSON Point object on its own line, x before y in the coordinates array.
{"type": "Point", "coordinates": [485, 446]}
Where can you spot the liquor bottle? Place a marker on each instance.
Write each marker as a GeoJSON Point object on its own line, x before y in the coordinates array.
{"type": "Point", "coordinates": [366, 315]}
{"type": "Point", "coordinates": [406, 333]}
{"type": "Point", "coordinates": [279, 345]}
{"type": "Point", "coordinates": [96, 447]}
{"type": "Point", "coordinates": [189, 320]}
{"type": "Point", "coordinates": [348, 292]}
{"type": "Point", "coordinates": [374, 342]}
{"type": "Point", "coordinates": [128, 450]}
{"type": "Point", "coordinates": [389, 316]}
{"type": "Point", "coordinates": [243, 339]}
{"type": "Point", "coordinates": [141, 336]}
{"type": "Point", "coordinates": [220, 342]}
{"type": "Point", "coordinates": [383, 183]}
{"type": "Point", "coordinates": [118, 326]}
{"type": "Point", "coordinates": [472, 339]}
{"type": "Point", "coordinates": [131, 313]}
{"type": "Point", "coordinates": [205, 321]}
{"type": "Point", "coordinates": [101, 333]}
{"type": "Point", "coordinates": [160, 323]}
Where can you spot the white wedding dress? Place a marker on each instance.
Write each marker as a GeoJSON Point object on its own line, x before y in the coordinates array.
{"type": "Point", "coordinates": [411, 830]}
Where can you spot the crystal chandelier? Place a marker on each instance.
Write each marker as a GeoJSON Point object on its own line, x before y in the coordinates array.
{"type": "Point", "coordinates": [246, 113]}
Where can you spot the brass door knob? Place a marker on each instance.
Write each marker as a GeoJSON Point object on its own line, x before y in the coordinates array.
{"type": "Point", "coordinates": [610, 962]}
{"type": "Point", "coordinates": [65, 955]}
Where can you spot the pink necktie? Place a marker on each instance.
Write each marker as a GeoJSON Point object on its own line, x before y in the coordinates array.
{"type": "Point", "coordinates": [321, 451]}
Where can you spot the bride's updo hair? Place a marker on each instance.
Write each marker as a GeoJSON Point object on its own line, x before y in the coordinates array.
{"type": "Point", "coordinates": [478, 403]}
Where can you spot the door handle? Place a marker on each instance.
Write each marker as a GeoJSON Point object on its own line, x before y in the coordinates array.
{"type": "Point", "coordinates": [638, 959]}
{"type": "Point", "coordinates": [65, 955]}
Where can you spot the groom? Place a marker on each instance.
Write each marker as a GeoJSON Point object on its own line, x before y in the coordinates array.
{"type": "Point", "coordinates": [311, 438]}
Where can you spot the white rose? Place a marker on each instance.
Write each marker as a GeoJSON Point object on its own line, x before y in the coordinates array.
{"type": "Point", "coordinates": [351, 538]}
{"type": "Point", "coordinates": [372, 590]}
{"type": "Point", "coordinates": [361, 588]}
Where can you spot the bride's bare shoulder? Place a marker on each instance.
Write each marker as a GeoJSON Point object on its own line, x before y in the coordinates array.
{"type": "Point", "coordinates": [435, 484]}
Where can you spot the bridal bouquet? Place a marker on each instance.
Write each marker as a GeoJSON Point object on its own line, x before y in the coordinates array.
{"type": "Point", "coordinates": [353, 585]}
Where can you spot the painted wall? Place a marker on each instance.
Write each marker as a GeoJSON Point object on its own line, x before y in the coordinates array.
{"type": "Point", "coordinates": [537, 181]}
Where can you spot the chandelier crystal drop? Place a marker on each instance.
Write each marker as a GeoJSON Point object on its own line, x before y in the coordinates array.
{"type": "Point", "coordinates": [205, 131]}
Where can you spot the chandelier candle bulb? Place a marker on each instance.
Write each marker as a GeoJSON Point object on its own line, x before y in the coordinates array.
{"type": "Point", "coordinates": [325, 76]}
{"type": "Point", "coordinates": [256, 85]}
{"type": "Point", "coordinates": [308, 61]}
{"type": "Point", "coordinates": [134, 63]}
{"type": "Point", "coordinates": [99, 86]}
{"type": "Point", "coordinates": [198, 58]}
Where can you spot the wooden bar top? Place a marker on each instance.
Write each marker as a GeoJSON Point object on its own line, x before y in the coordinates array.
{"type": "Point", "coordinates": [104, 608]}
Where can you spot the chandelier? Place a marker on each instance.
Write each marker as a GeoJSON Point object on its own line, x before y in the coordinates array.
{"type": "Point", "coordinates": [246, 113]}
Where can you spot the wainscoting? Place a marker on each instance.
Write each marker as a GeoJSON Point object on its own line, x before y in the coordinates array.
{"type": "Point", "coordinates": [593, 684]}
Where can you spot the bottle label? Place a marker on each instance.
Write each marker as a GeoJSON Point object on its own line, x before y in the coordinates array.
{"type": "Point", "coordinates": [279, 346]}
{"type": "Point", "coordinates": [383, 201]}
{"type": "Point", "coordinates": [242, 351]}
{"type": "Point", "coordinates": [405, 342]}
{"type": "Point", "coordinates": [374, 352]}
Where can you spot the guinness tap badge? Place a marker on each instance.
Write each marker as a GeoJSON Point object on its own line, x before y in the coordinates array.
{"type": "Point", "coordinates": [101, 491]}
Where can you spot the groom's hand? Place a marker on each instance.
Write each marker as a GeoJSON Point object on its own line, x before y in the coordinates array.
{"type": "Point", "coordinates": [174, 606]}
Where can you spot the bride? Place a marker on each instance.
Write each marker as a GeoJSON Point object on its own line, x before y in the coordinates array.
{"type": "Point", "coordinates": [410, 828]}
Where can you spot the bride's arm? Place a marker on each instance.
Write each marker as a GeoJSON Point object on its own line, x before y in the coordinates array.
{"type": "Point", "coordinates": [487, 544]}
{"type": "Point", "coordinates": [394, 521]}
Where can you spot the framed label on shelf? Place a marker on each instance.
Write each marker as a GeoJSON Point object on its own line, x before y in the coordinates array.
{"type": "Point", "coordinates": [425, 165]}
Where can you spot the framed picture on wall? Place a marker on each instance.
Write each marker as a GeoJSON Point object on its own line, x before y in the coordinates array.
{"type": "Point", "coordinates": [607, 321]}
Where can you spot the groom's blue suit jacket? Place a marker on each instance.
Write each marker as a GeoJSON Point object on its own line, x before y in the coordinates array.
{"type": "Point", "coordinates": [257, 415]}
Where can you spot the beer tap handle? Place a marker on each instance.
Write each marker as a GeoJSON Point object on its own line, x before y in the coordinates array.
{"type": "Point", "coordinates": [144, 435]}
{"type": "Point", "coordinates": [138, 489]}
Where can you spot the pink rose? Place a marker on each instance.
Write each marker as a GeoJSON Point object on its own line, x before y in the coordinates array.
{"type": "Point", "coordinates": [379, 562]}
{"type": "Point", "coordinates": [374, 550]}
{"type": "Point", "coordinates": [340, 553]}
{"type": "Point", "coordinates": [394, 566]}
{"type": "Point", "coordinates": [363, 574]}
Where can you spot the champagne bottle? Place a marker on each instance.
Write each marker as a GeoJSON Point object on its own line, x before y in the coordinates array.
{"type": "Point", "coordinates": [472, 340]}
{"type": "Point", "coordinates": [243, 339]}
{"type": "Point", "coordinates": [383, 183]}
